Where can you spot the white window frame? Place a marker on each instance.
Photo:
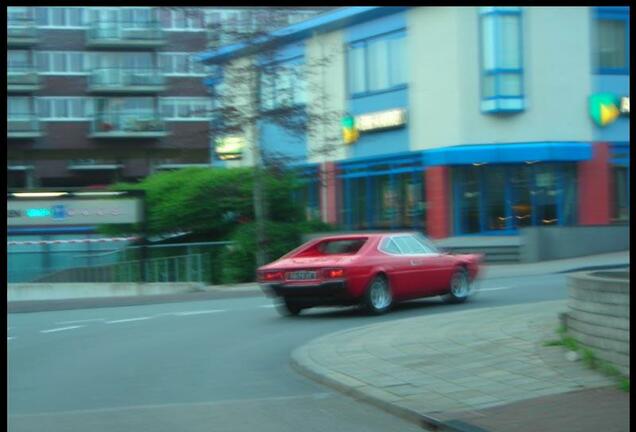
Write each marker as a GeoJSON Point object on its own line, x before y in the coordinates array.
{"type": "Point", "coordinates": [187, 101]}
{"type": "Point", "coordinates": [12, 116]}
{"type": "Point", "coordinates": [189, 21]}
{"type": "Point", "coordinates": [83, 18]}
{"type": "Point", "coordinates": [86, 66]}
{"type": "Point", "coordinates": [88, 106]}
{"type": "Point", "coordinates": [189, 61]}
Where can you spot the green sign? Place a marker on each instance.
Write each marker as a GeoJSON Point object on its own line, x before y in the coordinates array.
{"type": "Point", "coordinates": [605, 108]}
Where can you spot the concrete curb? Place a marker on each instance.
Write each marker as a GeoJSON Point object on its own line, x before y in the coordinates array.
{"type": "Point", "coordinates": [300, 362]}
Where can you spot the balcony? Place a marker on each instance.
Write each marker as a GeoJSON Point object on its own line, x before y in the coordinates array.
{"type": "Point", "coordinates": [126, 81]}
{"type": "Point", "coordinates": [21, 32]}
{"type": "Point", "coordinates": [18, 166]}
{"type": "Point", "coordinates": [128, 125]}
{"type": "Point", "coordinates": [25, 126]}
{"type": "Point", "coordinates": [93, 165]}
{"type": "Point", "coordinates": [103, 34]}
{"type": "Point", "coordinates": [22, 79]}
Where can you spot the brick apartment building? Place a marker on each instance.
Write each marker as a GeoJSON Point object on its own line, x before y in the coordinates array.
{"type": "Point", "coordinates": [99, 95]}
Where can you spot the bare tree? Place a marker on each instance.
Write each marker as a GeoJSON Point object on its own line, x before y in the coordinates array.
{"type": "Point", "coordinates": [259, 88]}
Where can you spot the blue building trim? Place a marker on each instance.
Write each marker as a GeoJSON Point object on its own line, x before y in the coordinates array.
{"type": "Point", "coordinates": [619, 153]}
{"type": "Point", "coordinates": [510, 153]}
{"type": "Point", "coordinates": [323, 23]}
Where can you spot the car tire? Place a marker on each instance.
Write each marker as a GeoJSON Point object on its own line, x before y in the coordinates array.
{"type": "Point", "coordinates": [287, 307]}
{"type": "Point", "coordinates": [378, 297]}
{"type": "Point", "coordinates": [461, 287]}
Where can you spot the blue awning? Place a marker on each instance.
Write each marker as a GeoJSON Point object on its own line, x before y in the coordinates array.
{"type": "Point", "coordinates": [510, 153]}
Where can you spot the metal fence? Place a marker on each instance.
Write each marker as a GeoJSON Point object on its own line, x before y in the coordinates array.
{"type": "Point", "coordinates": [182, 262]}
{"type": "Point", "coordinates": [185, 268]}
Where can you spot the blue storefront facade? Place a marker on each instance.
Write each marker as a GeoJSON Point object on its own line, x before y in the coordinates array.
{"type": "Point", "coordinates": [471, 121]}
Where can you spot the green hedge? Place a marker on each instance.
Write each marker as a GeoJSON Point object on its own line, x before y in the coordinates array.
{"type": "Point", "coordinates": [239, 260]}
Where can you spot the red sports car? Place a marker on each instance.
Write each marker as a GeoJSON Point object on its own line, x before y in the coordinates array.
{"type": "Point", "coordinates": [371, 270]}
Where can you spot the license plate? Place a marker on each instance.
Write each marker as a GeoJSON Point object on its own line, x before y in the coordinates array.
{"type": "Point", "coordinates": [301, 275]}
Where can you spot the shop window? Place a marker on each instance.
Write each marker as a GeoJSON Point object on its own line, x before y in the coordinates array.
{"type": "Point", "coordinates": [620, 189]}
{"type": "Point", "coordinates": [497, 216]}
{"type": "Point", "coordinates": [612, 40]}
{"type": "Point", "coordinates": [501, 60]}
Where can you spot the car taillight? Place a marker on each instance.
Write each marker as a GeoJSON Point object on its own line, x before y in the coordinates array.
{"type": "Point", "coordinates": [272, 276]}
{"type": "Point", "coordinates": [333, 273]}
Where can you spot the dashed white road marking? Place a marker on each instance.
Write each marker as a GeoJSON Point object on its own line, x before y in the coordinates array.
{"type": "Point", "coordinates": [80, 321]}
{"type": "Point", "coordinates": [60, 329]}
{"type": "Point", "coordinates": [268, 306]}
{"type": "Point", "coordinates": [10, 338]}
{"type": "Point", "coordinates": [494, 289]}
{"type": "Point", "coordinates": [128, 320]}
{"type": "Point", "coordinates": [198, 312]}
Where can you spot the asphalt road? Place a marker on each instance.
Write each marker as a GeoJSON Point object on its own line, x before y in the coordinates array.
{"type": "Point", "coordinates": [209, 365]}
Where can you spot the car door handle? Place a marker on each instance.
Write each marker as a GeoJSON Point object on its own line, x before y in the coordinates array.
{"type": "Point", "coordinates": [416, 262]}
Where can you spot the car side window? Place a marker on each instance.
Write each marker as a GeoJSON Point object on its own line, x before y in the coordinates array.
{"type": "Point", "coordinates": [389, 246]}
{"type": "Point", "coordinates": [428, 245]}
{"type": "Point", "coordinates": [409, 246]}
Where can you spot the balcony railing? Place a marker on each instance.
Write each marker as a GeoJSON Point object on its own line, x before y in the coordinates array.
{"type": "Point", "coordinates": [23, 78]}
{"type": "Point", "coordinates": [93, 165]}
{"type": "Point", "coordinates": [118, 80]}
{"type": "Point", "coordinates": [23, 126]}
{"type": "Point", "coordinates": [128, 125]}
{"type": "Point", "coordinates": [175, 165]}
{"type": "Point", "coordinates": [110, 34]}
{"type": "Point", "coordinates": [21, 32]}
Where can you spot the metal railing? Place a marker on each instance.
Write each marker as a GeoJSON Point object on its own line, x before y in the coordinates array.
{"type": "Point", "coordinates": [123, 77]}
{"type": "Point", "coordinates": [127, 123]}
{"type": "Point", "coordinates": [22, 75]}
{"type": "Point", "coordinates": [23, 123]}
{"type": "Point", "coordinates": [185, 268]}
{"type": "Point", "coordinates": [147, 31]}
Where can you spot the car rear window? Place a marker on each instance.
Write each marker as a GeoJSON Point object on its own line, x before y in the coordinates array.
{"type": "Point", "coordinates": [338, 247]}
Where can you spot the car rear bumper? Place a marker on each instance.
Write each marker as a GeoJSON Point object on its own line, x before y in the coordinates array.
{"type": "Point", "coordinates": [324, 294]}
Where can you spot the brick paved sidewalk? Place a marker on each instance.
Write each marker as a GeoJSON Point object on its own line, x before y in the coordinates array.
{"type": "Point", "coordinates": [433, 369]}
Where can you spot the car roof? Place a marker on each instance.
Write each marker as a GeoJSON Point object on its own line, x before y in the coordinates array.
{"type": "Point", "coordinates": [362, 234]}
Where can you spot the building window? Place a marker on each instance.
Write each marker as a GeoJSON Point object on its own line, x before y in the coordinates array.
{"type": "Point", "coordinates": [377, 64]}
{"type": "Point", "coordinates": [186, 109]}
{"type": "Point", "coordinates": [182, 19]}
{"type": "Point", "coordinates": [620, 183]}
{"type": "Point", "coordinates": [180, 64]}
{"type": "Point", "coordinates": [18, 60]}
{"type": "Point", "coordinates": [121, 60]}
{"type": "Point", "coordinates": [60, 17]}
{"type": "Point", "coordinates": [19, 107]}
{"type": "Point", "coordinates": [501, 60]}
{"type": "Point", "coordinates": [62, 62]}
{"type": "Point", "coordinates": [64, 108]}
{"type": "Point", "coordinates": [19, 16]}
{"type": "Point", "coordinates": [612, 40]}
{"type": "Point", "coordinates": [283, 84]}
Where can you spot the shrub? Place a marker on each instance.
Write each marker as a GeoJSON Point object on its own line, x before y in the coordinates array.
{"type": "Point", "coordinates": [239, 260]}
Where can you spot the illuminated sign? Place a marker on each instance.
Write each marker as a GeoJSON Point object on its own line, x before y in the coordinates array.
{"type": "Point", "coordinates": [381, 120]}
{"type": "Point", "coordinates": [605, 108]}
{"type": "Point", "coordinates": [230, 147]}
{"type": "Point", "coordinates": [73, 212]}
{"type": "Point", "coordinates": [349, 131]}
